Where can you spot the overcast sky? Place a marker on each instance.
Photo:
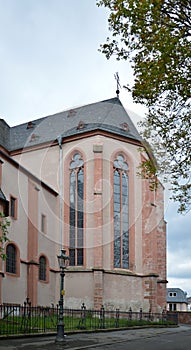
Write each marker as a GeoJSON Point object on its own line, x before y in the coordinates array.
{"type": "Point", "coordinates": [49, 62]}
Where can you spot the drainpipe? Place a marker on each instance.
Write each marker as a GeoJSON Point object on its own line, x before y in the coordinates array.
{"type": "Point", "coordinates": [61, 189]}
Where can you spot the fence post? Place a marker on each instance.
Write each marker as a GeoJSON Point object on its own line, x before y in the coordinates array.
{"type": "Point", "coordinates": [141, 314]}
{"type": "Point", "coordinates": [82, 322]}
{"type": "Point", "coordinates": [164, 315]}
{"type": "Point", "coordinates": [130, 314]}
{"type": "Point", "coordinates": [102, 317]}
{"type": "Point", "coordinates": [26, 318]}
{"type": "Point", "coordinates": [117, 318]}
{"type": "Point", "coordinates": [150, 314]}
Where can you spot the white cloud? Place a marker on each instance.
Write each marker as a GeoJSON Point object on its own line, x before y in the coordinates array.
{"type": "Point", "coordinates": [181, 283]}
{"type": "Point", "coordinates": [179, 265]}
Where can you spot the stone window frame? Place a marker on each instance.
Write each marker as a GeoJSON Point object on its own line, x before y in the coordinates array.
{"type": "Point", "coordinates": [121, 166]}
{"type": "Point", "coordinates": [13, 210]}
{"type": "Point", "coordinates": [76, 253]}
{"type": "Point", "coordinates": [43, 273]}
{"type": "Point", "coordinates": [16, 264]}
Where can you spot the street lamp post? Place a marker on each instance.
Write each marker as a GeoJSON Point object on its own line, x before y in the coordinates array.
{"type": "Point", "coordinates": [63, 261]}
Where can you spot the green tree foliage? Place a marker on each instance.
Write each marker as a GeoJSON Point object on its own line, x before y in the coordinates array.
{"type": "Point", "coordinates": [155, 36]}
{"type": "Point", "coordinates": [4, 224]}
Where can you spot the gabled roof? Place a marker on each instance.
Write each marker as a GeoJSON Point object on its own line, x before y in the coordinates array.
{"type": "Point", "coordinates": [176, 295]}
{"type": "Point", "coordinates": [108, 115]}
{"type": "Point", "coordinates": [25, 171]}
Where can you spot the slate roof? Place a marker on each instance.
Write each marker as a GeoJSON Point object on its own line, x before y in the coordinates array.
{"type": "Point", "coordinates": [2, 196]}
{"type": "Point", "coordinates": [108, 115]}
{"type": "Point", "coordinates": [178, 296]}
{"type": "Point", "coordinates": [4, 134]}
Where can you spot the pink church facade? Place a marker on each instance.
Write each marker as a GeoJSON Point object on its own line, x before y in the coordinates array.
{"type": "Point", "coordinates": [74, 178]}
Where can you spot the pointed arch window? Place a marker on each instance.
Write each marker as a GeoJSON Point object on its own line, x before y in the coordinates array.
{"type": "Point", "coordinates": [121, 213]}
{"type": "Point", "coordinates": [11, 256]}
{"type": "Point", "coordinates": [76, 241]}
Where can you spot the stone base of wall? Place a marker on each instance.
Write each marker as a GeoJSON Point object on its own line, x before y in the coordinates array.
{"type": "Point", "coordinates": [184, 317]}
{"type": "Point", "coordinates": [112, 289]}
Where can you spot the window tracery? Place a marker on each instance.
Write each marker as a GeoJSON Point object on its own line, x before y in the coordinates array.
{"type": "Point", "coordinates": [121, 212]}
{"type": "Point", "coordinates": [76, 240]}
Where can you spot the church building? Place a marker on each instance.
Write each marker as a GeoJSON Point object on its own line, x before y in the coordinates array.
{"type": "Point", "coordinates": [70, 180]}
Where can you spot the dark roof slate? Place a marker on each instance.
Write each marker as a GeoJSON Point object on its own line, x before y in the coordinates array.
{"type": "Point", "coordinates": [2, 196]}
{"type": "Point", "coordinates": [4, 134]}
{"type": "Point", "coordinates": [108, 115]}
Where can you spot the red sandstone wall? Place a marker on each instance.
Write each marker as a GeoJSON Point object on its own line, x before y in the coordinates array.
{"type": "Point", "coordinates": [184, 317]}
{"type": "Point", "coordinates": [154, 246]}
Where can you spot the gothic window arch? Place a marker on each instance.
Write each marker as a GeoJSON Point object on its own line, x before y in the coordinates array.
{"type": "Point", "coordinates": [42, 268]}
{"type": "Point", "coordinates": [11, 259]}
{"type": "Point", "coordinates": [121, 212]}
{"type": "Point", "coordinates": [76, 236]}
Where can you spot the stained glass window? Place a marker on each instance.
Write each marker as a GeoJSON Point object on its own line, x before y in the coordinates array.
{"type": "Point", "coordinates": [76, 250]}
{"type": "Point", "coordinates": [121, 213]}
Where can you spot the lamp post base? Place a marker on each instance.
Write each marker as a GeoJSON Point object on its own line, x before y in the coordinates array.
{"type": "Point", "coordinates": [60, 337]}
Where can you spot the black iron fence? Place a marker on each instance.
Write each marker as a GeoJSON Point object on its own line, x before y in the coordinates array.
{"type": "Point", "coordinates": [17, 319]}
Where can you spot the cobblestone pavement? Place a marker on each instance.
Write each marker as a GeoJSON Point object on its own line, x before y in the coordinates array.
{"type": "Point", "coordinates": [100, 340]}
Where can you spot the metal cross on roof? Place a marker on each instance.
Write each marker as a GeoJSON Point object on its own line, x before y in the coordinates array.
{"type": "Point", "coordinates": [116, 75]}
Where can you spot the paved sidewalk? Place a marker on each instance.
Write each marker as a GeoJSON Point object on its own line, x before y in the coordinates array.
{"type": "Point", "coordinates": [87, 340]}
